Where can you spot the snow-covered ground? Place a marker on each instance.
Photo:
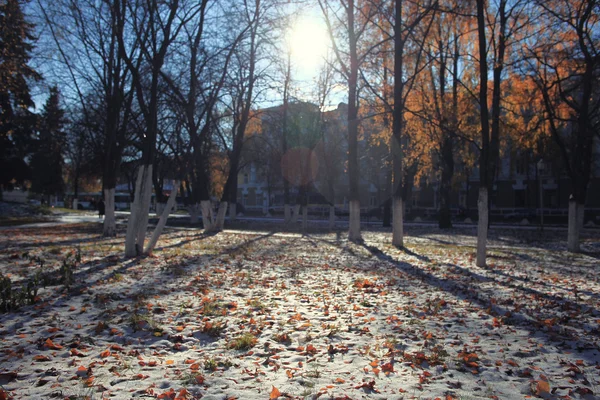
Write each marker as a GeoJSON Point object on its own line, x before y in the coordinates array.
{"type": "Point", "coordinates": [259, 315]}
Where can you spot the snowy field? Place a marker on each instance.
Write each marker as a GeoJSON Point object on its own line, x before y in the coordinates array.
{"type": "Point", "coordinates": [259, 315]}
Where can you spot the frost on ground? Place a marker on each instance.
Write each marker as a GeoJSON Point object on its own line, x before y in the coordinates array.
{"type": "Point", "coordinates": [253, 315]}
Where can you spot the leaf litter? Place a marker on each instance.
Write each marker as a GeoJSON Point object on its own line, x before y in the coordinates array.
{"type": "Point", "coordinates": [255, 315]}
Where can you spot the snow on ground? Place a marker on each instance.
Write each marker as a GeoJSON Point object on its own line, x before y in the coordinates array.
{"type": "Point", "coordinates": [260, 315]}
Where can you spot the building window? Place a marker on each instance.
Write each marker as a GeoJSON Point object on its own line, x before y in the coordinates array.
{"type": "Point", "coordinates": [521, 166]}
{"type": "Point", "coordinates": [245, 178]}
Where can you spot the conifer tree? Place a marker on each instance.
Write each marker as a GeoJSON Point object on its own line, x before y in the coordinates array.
{"type": "Point", "coordinates": [47, 162]}
{"type": "Point", "coordinates": [15, 47]}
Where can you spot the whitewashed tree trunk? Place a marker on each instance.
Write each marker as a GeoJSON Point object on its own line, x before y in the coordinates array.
{"type": "Point", "coordinates": [295, 214]}
{"type": "Point", "coordinates": [194, 211]}
{"type": "Point", "coordinates": [75, 202]}
{"type": "Point", "coordinates": [206, 208]}
{"type": "Point", "coordinates": [220, 221]}
{"type": "Point", "coordinates": [576, 212]}
{"type": "Point", "coordinates": [160, 207]}
{"type": "Point", "coordinates": [398, 222]}
{"type": "Point", "coordinates": [110, 222]}
{"type": "Point", "coordinates": [304, 218]}
{"type": "Point", "coordinates": [482, 226]}
{"type": "Point", "coordinates": [331, 218]}
{"type": "Point", "coordinates": [207, 214]}
{"type": "Point", "coordinates": [144, 210]}
{"type": "Point", "coordinates": [138, 218]}
{"type": "Point", "coordinates": [354, 221]}
{"type": "Point", "coordinates": [287, 215]}
{"type": "Point", "coordinates": [163, 220]}
{"type": "Point", "coordinates": [232, 211]}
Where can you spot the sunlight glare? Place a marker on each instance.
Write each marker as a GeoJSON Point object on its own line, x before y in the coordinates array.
{"type": "Point", "coordinates": [307, 41]}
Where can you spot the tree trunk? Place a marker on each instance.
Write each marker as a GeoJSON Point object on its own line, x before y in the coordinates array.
{"type": "Point", "coordinates": [232, 211]}
{"type": "Point", "coordinates": [110, 221]}
{"type": "Point", "coordinates": [287, 216]}
{"type": "Point", "coordinates": [295, 214]}
{"type": "Point", "coordinates": [354, 234]}
{"type": "Point", "coordinates": [485, 180]}
{"type": "Point", "coordinates": [304, 218]}
{"type": "Point", "coordinates": [219, 224]}
{"type": "Point", "coordinates": [163, 220]}
{"type": "Point", "coordinates": [398, 223]}
{"type": "Point", "coordinates": [160, 207]}
{"type": "Point", "coordinates": [207, 214]}
{"type": "Point", "coordinates": [482, 226]}
{"type": "Point", "coordinates": [576, 212]}
{"type": "Point", "coordinates": [331, 217]}
{"type": "Point", "coordinates": [194, 211]}
{"type": "Point", "coordinates": [138, 220]}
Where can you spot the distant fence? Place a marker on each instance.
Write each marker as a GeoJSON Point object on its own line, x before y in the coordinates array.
{"type": "Point", "coordinates": [15, 196]}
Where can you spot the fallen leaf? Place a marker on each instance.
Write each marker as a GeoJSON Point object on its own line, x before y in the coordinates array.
{"type": "Point", "coordinates": [275, 393]}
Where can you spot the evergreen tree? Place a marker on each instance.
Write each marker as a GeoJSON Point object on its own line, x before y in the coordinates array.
{"type": "Point", "coordinates": [47, 162]}
{"type": "Point", "coordinates": [16, 122]}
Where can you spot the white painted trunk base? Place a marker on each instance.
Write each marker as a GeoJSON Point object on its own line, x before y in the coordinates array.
{"type": "Point", "coordinates": [160, 207]}
{"type": "Point", "coordinates": [140, 208]}
{"type": "Point", "coordinates": [207, 215]}
{"type": "Point", "coordinates": [482, 227]}
{"type": "Point", "coordinates": [354, 221]}
{"type": "Point", "coordinates": [109, 228]}
{"type": "Point", "coordinates": [398, 222]}
{"type": "Point", "coordinates": [576, 213]}
{"type": "Point", "coordinates": [219, 224]}
{"type": "Point", "coordinates": [232, 211]}
{"type": "Point", "coordinates": [331, 218]}
{"type": "Point", "coordinates": [163, 220]}
{"type": "Point", "coordinates": [295, 213]}
{"type": "Point", "coordinates": [75, 203]}
{"type": "Point", "coordinates": [194, 211]}
{"type": "Point", "coordinates": [304, 218]}
{"type": "Point", "coordinates": [144, 210]}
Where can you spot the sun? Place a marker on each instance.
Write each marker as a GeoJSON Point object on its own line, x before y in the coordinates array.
{"type": "Point", "coordinates": [307, 40]}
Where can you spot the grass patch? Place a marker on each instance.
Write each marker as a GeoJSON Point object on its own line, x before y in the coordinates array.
{"type": "Point", "coordinates": [243, 342]}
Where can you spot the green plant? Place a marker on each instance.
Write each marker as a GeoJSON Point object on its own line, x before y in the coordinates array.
{"type": "Point", "coordinates": [211, 307]}
{"type": "Point", "coordinates": [69, 263]}
{"type": "Point", "coordinates": [210, 364]}
{"type": "Point", "coordinates": [140, 321]}
{"type": "Point", "coordinates": [243, 342]}
{"type": "Point", "coordinates": [256, 304]}
{"type": "Point", "coordinates": [11, 298]}
{"type": "Point", "coordinates": [213, 329]}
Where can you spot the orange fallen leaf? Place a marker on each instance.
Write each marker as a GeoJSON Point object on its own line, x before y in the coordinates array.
{"type": "Point", "coordinates": [105, 353]}
{"type": "Point", "coordinates": [388, 367]}
{"type": "Point", "coordinates": [542, 387]}
{"type": "Point", "coordinates": [51, 345]}
{"type": "Point", "coordinates": [275, 393]}
{"type": "Point", "coordinates": [170, 362]}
